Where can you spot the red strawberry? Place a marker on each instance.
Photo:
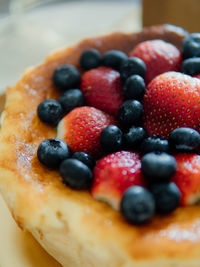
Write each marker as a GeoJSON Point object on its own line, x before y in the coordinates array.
{"type": "Point", "coordinates": [171, 100]}
{"type": "Point", "coordinates": [187, 178]}
{"type": "Point", "coordinates": [197, 76]}
{"type": "Point", "coordinates": [81, 129]}
{"type": "Point", "coordinates": [159, 57]}
{"type": "Point", "coordinates": [102, 89]}
{"type": "Point", "coordinates": [115, 173]}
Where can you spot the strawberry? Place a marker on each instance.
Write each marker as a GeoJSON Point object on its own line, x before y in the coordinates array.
{"type": "Point", "coordinates": [102, 89]}
{"type": "Point", "coordinates": [159, 57]}
{"type": "Point", "coordinates": [197, 76]}
{"type": "Point", "coordinates": [187, 178]}
{"type": "Point", "coordinates": [115, 173]}
{"type": "Point", "coordinates": [171, 100]}
{"type": "Point", "coordinates": [81, 129]}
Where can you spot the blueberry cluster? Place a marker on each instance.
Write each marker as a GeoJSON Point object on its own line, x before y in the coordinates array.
{"type": "Point", "coordinates": [67, 79]}
{"type": "Point", "coordinates": [191, 54]}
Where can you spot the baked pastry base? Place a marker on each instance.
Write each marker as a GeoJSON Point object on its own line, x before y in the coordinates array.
{"type": "Point", "coordinates": [74, 228]}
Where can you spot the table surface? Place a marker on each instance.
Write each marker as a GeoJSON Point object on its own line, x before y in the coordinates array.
{"type": "Point", "coordinates": [17, 248]}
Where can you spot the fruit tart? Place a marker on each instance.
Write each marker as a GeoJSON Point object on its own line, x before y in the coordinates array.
{"type": "Point", "coordinates": [100, 150]}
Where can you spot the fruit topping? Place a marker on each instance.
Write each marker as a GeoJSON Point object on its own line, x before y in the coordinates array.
{"type": "Point", "coordinates": [51, 152]}
{"type": "Point", "coordinates": [187, 178]}
{"type": "Point", "coordinates": [66, 77]}
{"type": "Point", "coordinates": [154, 143]}
{"type": "Point", "coordinates": [71, 99]}
{"type": "Point", "coordinates": [159, 57]}
{"type": "Point", "coordinates": [50, 111]}
{"type": "Point", "coordinates": [191, 66]}
{"type": "Point", "coordinates": [172, 100]}
{"type": "Point", "coordinates": [184, 139]}
{"type": "Point", "coordinates": [130, 113]}
{"type": "Point", "coordinates": [76, 174]}
{"type": "Point", "coordinates": [131, 66]}
{"type": "Point", "coordinates": [85, 158]}
{"type": "Point", "coordinates": [137, 205]}
{"type": "Point", "coordinates": [134, 137]}
{"type": "Point", "coordinates": [158, 167]}
{"type": "Point", "coordinates": [134, 87]}
{"type": "Point", "coordinates": [115, 173]}
{"type": "Point", "coordinates": [102, 88]}
{"type": "Point", "coordinates": [81, 129]}
{"type": "Point", "coordinates": [191, 45]}
{"type": "Point", "coordinates": [111, 139]}
{"type": "Point", "coordinates": [90, 59]}
{"type": "Point", "coordinates": [114, 59]}
{"type": "Point", "coordinates": [167, 197]}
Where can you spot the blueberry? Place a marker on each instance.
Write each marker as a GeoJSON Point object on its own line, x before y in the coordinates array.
{"type": "Point", "coordinates": [90, 59]}
{"type": "Point", "coordinates": [133, 65]}
{"type": "Point", "coordinates": [66, 77]}
{"type": "Point", "coordinates": [134, 137]}
{"type": "Point", "coordinates": [71, 99]}
{"type": "Point", "coordinates": [154, 143]}
{"type": "Point", "coordinates": [191, 66]}
{"type": "Point", "coordinates": [167, 197]}
{"type": "Point", "coordinates": [137, 205]}
{"type": "Point", "coordinates": [51, 152]}
{"type": "Point", "coordinates": [111, 139]}
{"type": "Point", "coordinates": [130, 113]}
{"type": "Point", "coordinates": [158, 167]}
{"type": "Point", "coordinates": [76, 174]}
{"type": "Point", "coordinates": [50, 111]}
{"type": "Point", "coordinates": [85, 158]}
{"type": "Point", "coordinates": [184, 139]}
{"type": "Point", "coordinates": [114, 58]}
{"type": "Point", "coordinates": [191, 45]}
{"type": "Point", "coordinates": [134, 87]}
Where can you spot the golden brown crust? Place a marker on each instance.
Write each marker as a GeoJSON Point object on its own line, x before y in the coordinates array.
{"type": "Point", "coordinates": [73, 227]}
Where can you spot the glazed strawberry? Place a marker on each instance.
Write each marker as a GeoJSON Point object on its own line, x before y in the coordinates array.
{"type": "Point", "coordinates": [187, 178]}
{"type": "Point", "coordinates": [159, 57]}
{"type": "Point", "coordinates": [171, 100]}
{"type": "Point", "coordinates": [102, 89]}
{"type": "Point", "coordinates": [81, 129]}
{"type": "Point", "coordinates": [115, 173]}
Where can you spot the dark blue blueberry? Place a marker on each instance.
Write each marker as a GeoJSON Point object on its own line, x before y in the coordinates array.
{"type": "Point", "coordinates": [51, 152]}
{"type": "Point", "coordinates": [191, 45]}
{"type": "Point", "coordinates": [131, 66]}
{"type": "Point", "coordinates": [50, 111]}
{"type": "Point", "coordinates": [184, 139]}
{"type": "Point", "coordinates": [111, 139]}
{"type": "Point", "coordinates": [71, 99]}
{"type": "Point", "coordinates": [66, 77]}
{"type": "Point", "coordinates": [85, 158]}
{"type": "Point", "coordinates": [134, 87]}
{"type": "Point", "coordinates": [191, 66]}
{"type": "Point", "coordinates": [134, 137]}
{"type": "Point", "coordinates": [154, 143]}
{"type": "Point", "coordinates": [137, 205]}
{"type": "Point", "coordinates": [158, 167]}
{"type": "Point", "coordinates": [76, 174]}
{"type": "Point", "coordinates": [90, 59]}
{"type": "Point", "coordinates": [114, 58]}
{"type": "Point", "coordinates": [167, 197]}
{"type": "Point", "coordinates": [130, 113]}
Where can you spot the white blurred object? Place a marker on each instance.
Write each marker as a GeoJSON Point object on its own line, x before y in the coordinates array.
{"type": "Point", "coordinates": [26, 38]}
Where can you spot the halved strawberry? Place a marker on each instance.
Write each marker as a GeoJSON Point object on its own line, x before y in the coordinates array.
{"type": "Point", "coordinates": [159, 57]}
{"type": "Point", "coordinates": [115, 173]}
{"type": "Point", "coordinates": [171, 100]}
{"type": "Point", "coordinates": [81, 129]}
{"type": "Point", "coordinates": [187, 178]}
{"type": "Point", "coordinates": [102, 89]}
